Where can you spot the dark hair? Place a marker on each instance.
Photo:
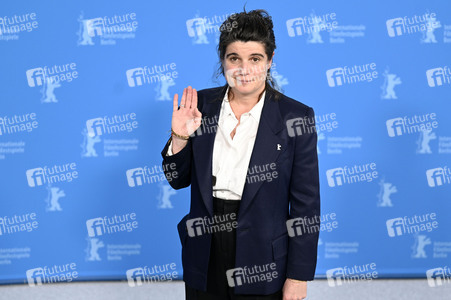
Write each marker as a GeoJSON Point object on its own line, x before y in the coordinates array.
{"type": "Point", "coordinates": [255, 25]}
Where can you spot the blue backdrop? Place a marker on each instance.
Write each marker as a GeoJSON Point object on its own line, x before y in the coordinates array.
{"type": "Point", "coordinates": [85, 110]}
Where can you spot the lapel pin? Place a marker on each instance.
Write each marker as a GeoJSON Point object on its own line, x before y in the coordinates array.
{"type": "Point", "coordinates": [279, 147]}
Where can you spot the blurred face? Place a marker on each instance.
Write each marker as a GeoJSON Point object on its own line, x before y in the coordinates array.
{"type": "Point", "coordinates": [245, 67]}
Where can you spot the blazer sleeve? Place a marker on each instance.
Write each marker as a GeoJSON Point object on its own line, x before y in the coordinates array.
{"type": "Point", "coordinates": [304, 202]}
{"type": "Point", "coordinates": [177, 167]}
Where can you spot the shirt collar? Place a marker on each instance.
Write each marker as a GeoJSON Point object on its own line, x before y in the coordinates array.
{"type": "Point", "coordinates": [255, 112]}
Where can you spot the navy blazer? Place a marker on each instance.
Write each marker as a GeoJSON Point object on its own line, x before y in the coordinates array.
{"type": "Point", "coordinates": [266, 205]}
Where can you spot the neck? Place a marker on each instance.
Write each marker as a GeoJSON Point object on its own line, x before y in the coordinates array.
{"type": "Point", "coordinates": [245, 99]}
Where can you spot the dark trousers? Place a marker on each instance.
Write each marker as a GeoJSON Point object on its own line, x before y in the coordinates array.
{"type": "Point", "coordinates": [222, 258]}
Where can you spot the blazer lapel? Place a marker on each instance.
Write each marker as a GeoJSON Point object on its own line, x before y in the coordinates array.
{"type": "Point", "coordinates": [266, 148]}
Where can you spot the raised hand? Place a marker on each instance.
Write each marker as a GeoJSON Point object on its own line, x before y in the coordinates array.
{"type": "Point", "coordinates": [186, 119]}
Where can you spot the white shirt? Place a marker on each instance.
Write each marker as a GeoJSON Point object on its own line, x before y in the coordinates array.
{"type": "Point", "coordinates": [231, 157]}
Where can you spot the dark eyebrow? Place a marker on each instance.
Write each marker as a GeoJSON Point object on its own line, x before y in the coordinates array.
{"type": "Point", "coordinates": [230, 54]}
{"type": "Point", "coordinates": [253, 54]}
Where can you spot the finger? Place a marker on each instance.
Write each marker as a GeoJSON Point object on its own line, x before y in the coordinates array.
{"type": "Point", "coordinates": [194, 104]}
{"type": "Point", "coordinates": [190, 97]}
{"type": "Point", "coordinates": [182, 102]}
{"type": "Point", "coordinates": [175, 102]}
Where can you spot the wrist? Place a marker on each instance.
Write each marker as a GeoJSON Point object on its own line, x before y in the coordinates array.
{"type": "Point", "coordinates": [178, 139]}
{"type": "Point", "coordinates": [178, 144]}
{"type": "Point", "coordinates": [181, 137]}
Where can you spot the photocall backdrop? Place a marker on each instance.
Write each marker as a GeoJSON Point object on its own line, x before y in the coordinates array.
{"type": "Point", "coordinates": [86, 100]}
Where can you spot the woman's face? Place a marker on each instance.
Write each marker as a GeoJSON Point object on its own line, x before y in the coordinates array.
{"type": "Point", "coordinates": [245, 67]}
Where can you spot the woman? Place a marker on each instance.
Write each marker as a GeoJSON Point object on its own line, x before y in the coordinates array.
{"type": "Point", "coordinates": [249, 154]}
